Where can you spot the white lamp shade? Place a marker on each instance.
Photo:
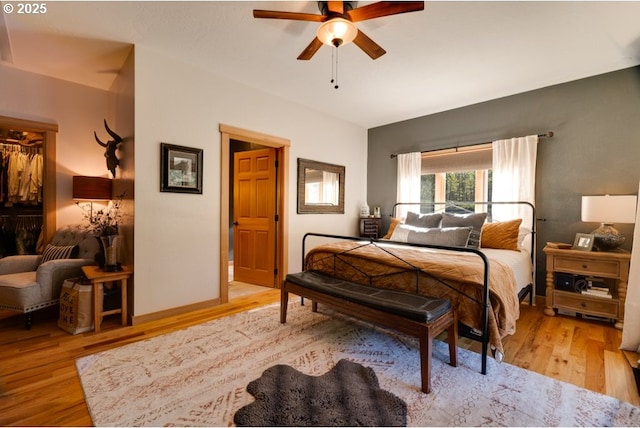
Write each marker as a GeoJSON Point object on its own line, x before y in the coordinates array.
{"type": "Point", "coordinates": [609, 209]}
{"type": "Point", "coordinates": [337, 28]}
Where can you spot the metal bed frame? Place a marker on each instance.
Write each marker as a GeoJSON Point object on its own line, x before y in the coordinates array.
{"type": "Point", "coordinates": [483, 335]}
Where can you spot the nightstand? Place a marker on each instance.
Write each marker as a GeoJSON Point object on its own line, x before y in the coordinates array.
{"type": "Point", "coordinates": [370, 227]}
{"type": "Point", "coordinates": [612, 267]}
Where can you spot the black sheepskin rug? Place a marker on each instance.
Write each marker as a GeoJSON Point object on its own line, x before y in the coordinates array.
{"type": "Point", "coordinates": [347, 395]}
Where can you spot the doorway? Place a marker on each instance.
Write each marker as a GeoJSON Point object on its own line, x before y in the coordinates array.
{"type": "Point", "coordinates": [254, 216]}
{"type": "Point", "coordinates": [229, 135]}
{"type": "Point", "coordinates": [48, 131]}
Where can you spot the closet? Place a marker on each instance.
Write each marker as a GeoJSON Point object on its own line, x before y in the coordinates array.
{"type": "Point", "coordinates": [27, 185]}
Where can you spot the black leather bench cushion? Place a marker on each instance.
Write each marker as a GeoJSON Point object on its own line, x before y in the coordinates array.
{"type": "Point", "coordinates": [413, 306]}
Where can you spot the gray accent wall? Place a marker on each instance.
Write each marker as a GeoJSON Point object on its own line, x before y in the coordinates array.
{"type": "Point", "coordinates": [595, 149]}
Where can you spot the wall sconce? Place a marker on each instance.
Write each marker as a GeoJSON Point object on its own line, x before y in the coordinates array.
{"type": "Point", "coordinates": [91, 189]}
{"type": "Point", "coordinates": [607, 210]}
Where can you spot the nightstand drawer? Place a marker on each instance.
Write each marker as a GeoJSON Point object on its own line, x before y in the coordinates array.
{"type": "Point", "coordinates": [590, 267]}
{"type": "Point", "coordinates": [586, 304]}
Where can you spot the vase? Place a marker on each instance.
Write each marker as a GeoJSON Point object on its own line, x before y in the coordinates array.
{"type": "Point", "coordinates": [110, 246]}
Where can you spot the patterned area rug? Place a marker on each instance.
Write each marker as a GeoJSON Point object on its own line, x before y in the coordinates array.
{"type": "Point", "coordinates": [198, 376]}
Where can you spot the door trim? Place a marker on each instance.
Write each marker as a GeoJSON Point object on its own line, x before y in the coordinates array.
{"type": "Point", "coordinates": [228, 133]}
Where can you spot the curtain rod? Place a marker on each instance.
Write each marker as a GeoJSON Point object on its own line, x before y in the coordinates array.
{"type": "Point", "coordinates": [548, 134]}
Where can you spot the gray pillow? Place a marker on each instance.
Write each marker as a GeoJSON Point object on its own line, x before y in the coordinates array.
{"type": "Point", "coordinates": [446, 236]}
{"type": "Point", "coordinates": [475, 220]}
{"type": "Point", "coordinates": [450, 236]}
{"type": "Point", "coordinates": [423, 220]}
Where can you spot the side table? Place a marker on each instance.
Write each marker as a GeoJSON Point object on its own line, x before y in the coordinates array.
{"type": "Point", "coordinates": [96, 277]}
{"type": "Point", "coordinates": [370, 227]}
{"type": "Point", "coordinates": [611, 265]}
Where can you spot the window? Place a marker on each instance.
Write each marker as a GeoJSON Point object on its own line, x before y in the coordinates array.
{"type": "Point", "coordinates": [460, 174]}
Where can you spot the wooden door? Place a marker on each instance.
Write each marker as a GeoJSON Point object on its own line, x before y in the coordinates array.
{"type": "Point", "coordinates": [254, 212]}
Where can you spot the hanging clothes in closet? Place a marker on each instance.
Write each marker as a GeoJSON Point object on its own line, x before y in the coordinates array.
{"type": "Point", "coordinates": [21, 180]}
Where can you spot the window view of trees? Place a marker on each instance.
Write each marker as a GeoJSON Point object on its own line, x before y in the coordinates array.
{"type": "Point", "coordinates": [427, 188]}
{"type": "Point", "coordinates": [458, 186]}
{"type": "Point", "coordinates": [461, 186]}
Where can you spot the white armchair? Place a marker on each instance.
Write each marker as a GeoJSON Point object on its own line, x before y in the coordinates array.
{"type": "Point", "coordinates": [27, 284]}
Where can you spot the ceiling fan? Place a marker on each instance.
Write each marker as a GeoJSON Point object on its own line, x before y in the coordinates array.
{"type": "Point", "coordinates": [338, 19]}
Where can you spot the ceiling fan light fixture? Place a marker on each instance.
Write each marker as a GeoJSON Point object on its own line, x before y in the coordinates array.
{"type": "Point", "coordinates": [337, 32]}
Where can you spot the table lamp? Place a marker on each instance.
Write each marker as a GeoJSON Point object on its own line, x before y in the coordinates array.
{"type": "Point", "coordinates": [607, 210]}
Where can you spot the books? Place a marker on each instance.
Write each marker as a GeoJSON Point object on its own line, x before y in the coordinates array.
{"type": "Point", "coordinates": [559, 245]}
{"type": "Point", "coordinates": [598, 292]}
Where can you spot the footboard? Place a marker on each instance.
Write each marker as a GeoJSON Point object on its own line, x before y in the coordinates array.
{"type": "Point", "coordinates": [407, 268]}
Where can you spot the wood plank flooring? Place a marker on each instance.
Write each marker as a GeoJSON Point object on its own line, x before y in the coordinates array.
{"type": "Point", "coordinates": [39, 384]}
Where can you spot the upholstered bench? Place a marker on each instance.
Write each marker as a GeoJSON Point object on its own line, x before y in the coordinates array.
{"type": "Point", "coordinates": [417, 315]}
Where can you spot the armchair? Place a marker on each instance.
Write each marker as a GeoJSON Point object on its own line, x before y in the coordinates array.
{"type": "Point", "coordinates": [27, 284]}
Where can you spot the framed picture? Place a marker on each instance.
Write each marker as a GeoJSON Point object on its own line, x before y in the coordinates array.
{"type": "Point", "coordinates": [180, 169]}
{"type": "Point", "coordinates": [583, 242]}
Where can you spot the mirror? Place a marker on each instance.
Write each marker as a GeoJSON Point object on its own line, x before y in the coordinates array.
{"type": "Point", "coordinates": [320, 187]}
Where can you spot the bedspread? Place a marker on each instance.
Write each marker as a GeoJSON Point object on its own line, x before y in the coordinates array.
{"type": "Point", "coordinates": [453, 275]}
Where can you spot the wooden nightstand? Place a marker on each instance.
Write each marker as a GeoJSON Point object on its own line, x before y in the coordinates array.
{"type": "Point", "coordinates": [610, 266]}
{"type": "Point", "coordinates": [370, 227]}
{"type": "Point", "coordinates": [97, 277]}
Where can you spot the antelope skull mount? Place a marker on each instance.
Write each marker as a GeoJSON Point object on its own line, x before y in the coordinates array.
{"type": "Point", "coordinates": [110, 149]}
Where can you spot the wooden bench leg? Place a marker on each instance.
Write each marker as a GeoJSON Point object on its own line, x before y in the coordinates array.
{"type": "Point", "coordinates": [314, 306]}
{"type": "Point", "coordinates": [284, 303]}
{"type": "Point", "coordinates": [426, 345]}
{"type": "Point", "coordinates": [426, 348]}
{"type": "Point", "coordinates": [452, 339]}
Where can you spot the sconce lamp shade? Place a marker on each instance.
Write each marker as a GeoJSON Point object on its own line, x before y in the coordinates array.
{"type": "Point", "coordinates": [91, 188]}
{"type": "Point", "coordinates": [608, 210]}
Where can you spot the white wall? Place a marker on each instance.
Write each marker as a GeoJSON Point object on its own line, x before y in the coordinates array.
{"type": "Point", "coordinates": [631, 326]}
{"type": "Point", "coordinates": [177, 235]}
{"type": "Point", "coordinates": [78, 110]}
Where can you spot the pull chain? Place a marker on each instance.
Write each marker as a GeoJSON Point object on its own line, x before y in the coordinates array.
{"type": "Point", "coordinates": [332, 62]}
{"type": "Point", "coordinates": [334, 66]}
{"type": "Point", "coordinates": [336, 86]}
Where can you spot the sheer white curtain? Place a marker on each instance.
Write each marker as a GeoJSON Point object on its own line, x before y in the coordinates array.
{"type": "Point", "coordinates": [514, 177]}
{"type": "Point", "coordinates": [330, 187]}
{"type": "Point", "coordinates": [408, 183]}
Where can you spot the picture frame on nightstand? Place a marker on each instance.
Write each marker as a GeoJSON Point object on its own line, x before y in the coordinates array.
{"type": "Point", "coordinates": [583, 242]}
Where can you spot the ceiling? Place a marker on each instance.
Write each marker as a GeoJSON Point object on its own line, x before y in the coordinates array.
{"type": "Point", "coordinates": [450, 55]}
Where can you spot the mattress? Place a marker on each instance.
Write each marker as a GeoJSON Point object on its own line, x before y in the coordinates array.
{"type": "Point", "coordinates": [519, 262]}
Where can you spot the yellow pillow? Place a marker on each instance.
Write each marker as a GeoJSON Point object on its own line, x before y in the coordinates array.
{"type": "Point", "coordinates": [502, 235]}
{"type": "Point", "coordinates": [394, 222]}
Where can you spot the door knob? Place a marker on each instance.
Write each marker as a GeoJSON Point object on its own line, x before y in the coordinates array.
{"type": "Point", "coordinates": [235, 223]}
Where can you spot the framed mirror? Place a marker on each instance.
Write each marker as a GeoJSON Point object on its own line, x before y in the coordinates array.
{"type": "Point", "coordinates": [320, 187]}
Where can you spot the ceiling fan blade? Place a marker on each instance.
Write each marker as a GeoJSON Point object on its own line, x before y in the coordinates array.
{"type": "Point", "coordinates": [336, 7]}
{"type": "Point", "coordinates": [296, 16]}
{"type": "Point", "coordinates": [384, 8]}
{"type": "Point", "coordinates": [369, 47]}
{"type": "Point", "coordinates": [310, 50]}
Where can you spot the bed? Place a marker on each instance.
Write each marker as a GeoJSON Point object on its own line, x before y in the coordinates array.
{"type": "Point", "coordinates": [485, 285]}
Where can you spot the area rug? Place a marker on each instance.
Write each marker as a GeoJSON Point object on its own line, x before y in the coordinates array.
{"type": "Point", "coordinates": [347, 395]}
{"type": "Point", "coordinates": [198, 376]}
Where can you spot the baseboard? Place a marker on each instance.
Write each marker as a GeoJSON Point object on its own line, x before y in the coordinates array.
{"type": "Point", "coordinates": [154, 316]}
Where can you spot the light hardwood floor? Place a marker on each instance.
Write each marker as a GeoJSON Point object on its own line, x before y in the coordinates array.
{"type": "Point", "coordinates": [39, 384]}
